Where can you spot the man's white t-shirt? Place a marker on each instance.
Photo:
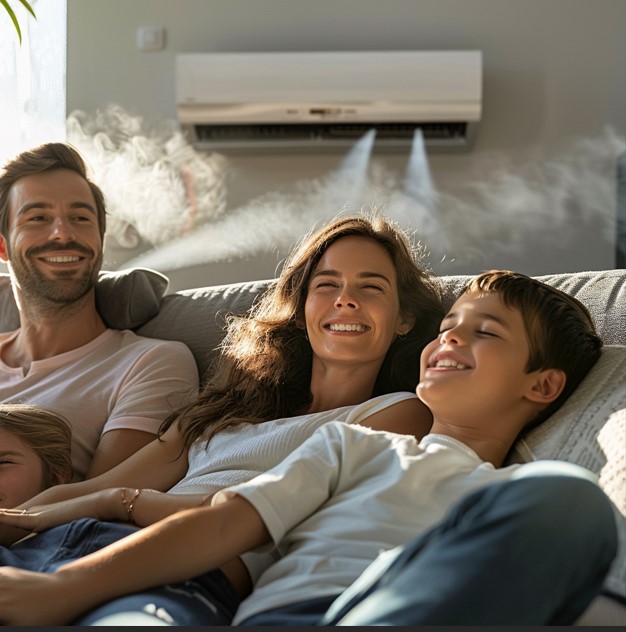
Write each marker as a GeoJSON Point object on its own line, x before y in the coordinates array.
{"type": "Point", "coordinates": [119, 380]}
{"type": "Point", "coordinates": [348, 494]}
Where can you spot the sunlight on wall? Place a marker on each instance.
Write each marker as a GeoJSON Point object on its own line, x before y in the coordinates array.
{"type": "Point", "coordinates": [32, 77]}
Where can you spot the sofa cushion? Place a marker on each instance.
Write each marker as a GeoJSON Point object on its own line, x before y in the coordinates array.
{"type": "Point", "coordinates": [590, 429]}
{"type": "Point", "coordinates": [125, 299]}
{"type": "Point", "coordinates": [197, 317]}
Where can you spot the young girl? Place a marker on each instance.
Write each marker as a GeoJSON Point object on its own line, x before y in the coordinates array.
{"type": "Point", "coordinates": [35, 452]}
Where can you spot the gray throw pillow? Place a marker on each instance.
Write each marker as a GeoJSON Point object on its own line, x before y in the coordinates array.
{"type": "Point", "coordinates": [125, 299]}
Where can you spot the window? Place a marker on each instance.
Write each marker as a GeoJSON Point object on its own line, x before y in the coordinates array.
{"type": "Point", "coordinates": [32, 76]}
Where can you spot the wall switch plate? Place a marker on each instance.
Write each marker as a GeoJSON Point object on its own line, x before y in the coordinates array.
{"type": "Point", "coordinates": [150, 38]}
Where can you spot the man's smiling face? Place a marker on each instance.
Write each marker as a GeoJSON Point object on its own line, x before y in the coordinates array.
{"type": "Point", "coordinates": [54, 247]}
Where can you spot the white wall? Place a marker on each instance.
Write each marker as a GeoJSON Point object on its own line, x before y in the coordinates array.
{"type": "Point", "coordinates": [554, 74]}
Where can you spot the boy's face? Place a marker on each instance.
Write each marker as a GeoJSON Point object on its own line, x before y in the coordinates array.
{"type": "Point", "coordinates": [475, 369]}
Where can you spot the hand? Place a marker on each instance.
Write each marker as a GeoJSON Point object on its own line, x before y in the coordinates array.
{"type": "Point", "coordinates": [102, 505]}
{"type": "Point", "coordinates": [34, 599]}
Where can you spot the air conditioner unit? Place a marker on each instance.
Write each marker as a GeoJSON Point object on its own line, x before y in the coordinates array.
{"type": "Point", "coordinates": [328, 100]}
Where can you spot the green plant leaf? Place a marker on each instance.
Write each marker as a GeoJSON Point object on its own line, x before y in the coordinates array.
{"type": "Point", "coordinates": [9, 10]}
{"type": "Point", "coordinates": [27, 6]}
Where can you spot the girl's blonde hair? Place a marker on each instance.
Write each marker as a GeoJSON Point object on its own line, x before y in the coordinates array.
{"type": "Point", "coordinates": [47, 433]}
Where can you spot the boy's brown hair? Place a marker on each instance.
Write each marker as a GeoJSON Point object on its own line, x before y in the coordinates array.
{"type": "Point", "coordinates": [560, 330]}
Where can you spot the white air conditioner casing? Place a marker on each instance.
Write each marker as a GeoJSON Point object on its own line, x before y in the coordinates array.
{"type": "Point", "coordinates": [328, 100]}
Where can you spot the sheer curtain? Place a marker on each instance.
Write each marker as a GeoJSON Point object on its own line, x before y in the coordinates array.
{"type": "Point", "coordinates": [32, 76]}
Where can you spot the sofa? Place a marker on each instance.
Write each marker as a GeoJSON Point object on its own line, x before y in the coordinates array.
{"type": "Point", "coordinates": [590, 429]}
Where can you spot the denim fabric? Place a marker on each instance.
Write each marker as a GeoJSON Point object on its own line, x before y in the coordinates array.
{"type": "Point", "coordinates": [532, 551]}
{"type": "Point", "coordinates": [50, 549]}
{"type": "Point", "coordinates": [206, 600]}
{"type": "Point", "coordinates": [301, 614]}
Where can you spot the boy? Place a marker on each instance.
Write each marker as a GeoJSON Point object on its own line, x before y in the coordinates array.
{"type": "Point", "coordinates": [490, 546]}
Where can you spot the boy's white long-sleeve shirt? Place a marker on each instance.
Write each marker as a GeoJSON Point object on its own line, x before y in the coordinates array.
{"type": "Point", "coordinates": [349, 493]}
{"type": "Point", "coordinates": [244, 451]}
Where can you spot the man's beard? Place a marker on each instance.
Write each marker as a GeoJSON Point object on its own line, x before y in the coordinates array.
{"type": "Point", "coordinates": [65, 288]}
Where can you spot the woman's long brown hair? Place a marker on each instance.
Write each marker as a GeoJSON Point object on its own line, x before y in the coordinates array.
{"type": "Point", "coordinates": [263, 371]}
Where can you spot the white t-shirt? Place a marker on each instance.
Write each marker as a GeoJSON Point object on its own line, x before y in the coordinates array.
{"type": "Point", "coordinates": [241, 452]}
{"type": "Point", "coordinates": [119, 380]}
{"type": "Point", "coordinates": [330, 512]}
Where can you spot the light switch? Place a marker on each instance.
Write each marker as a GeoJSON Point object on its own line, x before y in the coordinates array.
{"type": "Point", "coordinates": [150, 38]}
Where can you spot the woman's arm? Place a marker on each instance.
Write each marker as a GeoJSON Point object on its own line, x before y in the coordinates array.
{"type": "Point", "coordinates": [186, 544]}
{"type": "Point", "coordinates": [159, 465]}
{"type": "Point", "coordinates": [139, 506]}
{"type": "Point", "coordinates": [99, 505]}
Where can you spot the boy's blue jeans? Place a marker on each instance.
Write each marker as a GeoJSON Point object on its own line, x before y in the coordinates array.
{"type": "Point", "coordinates": [533, 551]}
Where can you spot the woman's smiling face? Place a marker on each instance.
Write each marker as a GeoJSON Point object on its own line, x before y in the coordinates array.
{"type": "Point", "coordinates": [352, 310]}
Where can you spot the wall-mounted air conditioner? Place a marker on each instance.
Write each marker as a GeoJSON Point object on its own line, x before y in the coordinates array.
{"type": "Point", "coordinates": [328, 100]}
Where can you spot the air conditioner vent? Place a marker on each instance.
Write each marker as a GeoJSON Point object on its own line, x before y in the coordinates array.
{"type": "Point", "coordinates": [229, 136]}
{"type": "Point", "coordinates": [327, 100]}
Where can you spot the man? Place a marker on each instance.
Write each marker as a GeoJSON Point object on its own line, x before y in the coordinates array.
{"type": "Point", "coordinates": [114, 387]}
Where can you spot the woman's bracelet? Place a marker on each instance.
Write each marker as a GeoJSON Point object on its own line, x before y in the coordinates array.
{"type": "Point", "coordinates": [129, 505]}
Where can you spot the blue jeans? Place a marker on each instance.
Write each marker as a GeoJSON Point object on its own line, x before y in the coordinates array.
{"type": "Point", "coordinates": [533, 551]}
{"type": "Point", "coordinates": [208, 599]}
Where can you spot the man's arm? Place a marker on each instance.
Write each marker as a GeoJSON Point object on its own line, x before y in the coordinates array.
{"type": "Point", "coordinates": [186, 544]}
{"type": "Point", "coordinates": [116, 446]}
{"type": "Point", "coordinates": [162, 379]}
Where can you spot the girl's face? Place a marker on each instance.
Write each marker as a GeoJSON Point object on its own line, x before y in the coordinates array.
{"type": "Point", "coordinates": [21, 471]}
{"type": "Point", "coordinates": [352, 310]}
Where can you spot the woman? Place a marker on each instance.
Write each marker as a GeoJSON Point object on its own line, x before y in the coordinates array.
{"type": "Point", "coordinates": [336, 337]}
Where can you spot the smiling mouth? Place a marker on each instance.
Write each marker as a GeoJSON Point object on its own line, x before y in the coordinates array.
{"type": "Point", "coordinates": [62, 259]}
{"type": "Point", "coordinates": [449, 364]}
{"type": "Point", "coordinates": [345, 327]}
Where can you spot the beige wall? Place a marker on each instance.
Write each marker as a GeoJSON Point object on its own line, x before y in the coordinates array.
{"type": "Point", "coordinates": [554, 72]}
